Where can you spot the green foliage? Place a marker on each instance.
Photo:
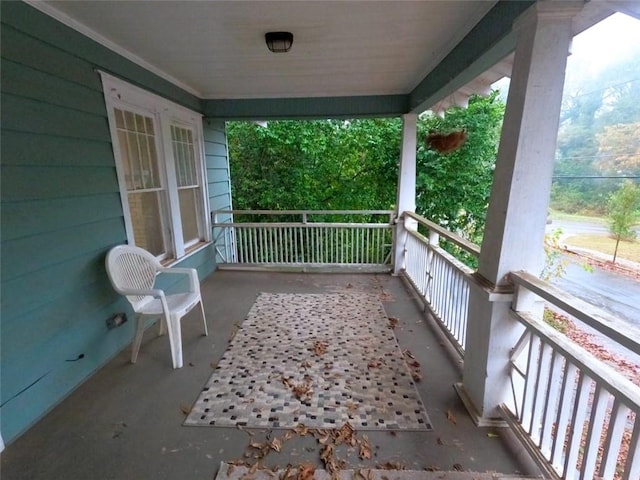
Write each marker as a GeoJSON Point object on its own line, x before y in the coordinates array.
{"type": "Point", "coordinates": [623, 213]}
{"type": "Point", "coordinates": [453, 189]}
{"type": "Point", "coordinates": [353, 165]}
{"type": "Point", "coordinates": [598, 135]}
{"type": "Point", "coordinates": [555, 265]}
{"type": "Point", "coordinates": [314, 165]}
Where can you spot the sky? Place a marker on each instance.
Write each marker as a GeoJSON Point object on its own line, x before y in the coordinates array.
{"type": "Point", "coordinates": [615, 38]}
{"type": "Point", "coordinates": [607, 42]}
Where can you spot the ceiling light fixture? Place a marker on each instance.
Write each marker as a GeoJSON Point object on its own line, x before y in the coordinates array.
{"type": "Point", "coordinates": [279, 42]}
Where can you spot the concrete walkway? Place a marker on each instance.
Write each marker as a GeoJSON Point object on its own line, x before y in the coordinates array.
{"type": "Point", "coordinates": [125, 422]}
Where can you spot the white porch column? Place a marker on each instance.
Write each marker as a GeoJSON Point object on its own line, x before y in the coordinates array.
{"type": "Point", "coordinates": [514, 231]}
{"type": "Point", "coordinates": [406, 199]}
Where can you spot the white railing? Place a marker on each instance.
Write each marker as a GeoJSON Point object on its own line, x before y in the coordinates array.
{"type": "Point", "coordinates": [441, 279]}
{"type": "Point", "coordinates": [303, 239]}
{"type": "Point", "coordinates": [579, 416]}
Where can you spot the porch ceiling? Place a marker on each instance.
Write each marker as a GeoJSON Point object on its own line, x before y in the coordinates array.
{"type": "Point", "coordinates": [388, 57]}
{"type": "Point", "coordinates": [216, 49]}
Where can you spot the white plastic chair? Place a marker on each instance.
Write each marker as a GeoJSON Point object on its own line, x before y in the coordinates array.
{"type": "Point", "coordinates": [132, 271]}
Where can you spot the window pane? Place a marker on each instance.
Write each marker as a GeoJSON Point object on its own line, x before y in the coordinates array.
{"type": "Point", "coordinates": [184, 157]}
{"type": "Point", "coordinates": [189, 193]}
{"type": "Point", "coordinates": [137, 143]}
{"type": "Point", "coordinates": [145, 209]}
{"type": "Point", "coordinates": [188, 213]}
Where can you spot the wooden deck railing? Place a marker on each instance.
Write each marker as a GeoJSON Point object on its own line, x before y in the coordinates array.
{"type": "Point", "coordinates": [576, 415]}
{"type": "Point", "coordinates": [304, 239]}
{"type": "Point", "coordinates": [441, 279]}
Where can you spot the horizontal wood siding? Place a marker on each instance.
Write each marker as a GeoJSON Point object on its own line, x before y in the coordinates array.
{"type": "Point", "coordinates": [217, 161]}
{"type": "Point", "coordinates": [61, 210]}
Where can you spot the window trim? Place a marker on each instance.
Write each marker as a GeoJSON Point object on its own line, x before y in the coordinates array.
{"type": "Point", "coordinates": [123, 95]}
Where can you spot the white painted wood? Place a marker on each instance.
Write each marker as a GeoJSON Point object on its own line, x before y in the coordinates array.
{"type": "Point", "coordinates": [564, 417]}
{"type": "Point", "coordinates": [623, 333]}
{"type": "Point", "coordinates": [406, 192]}
{"type": "Point", "coordinates": [552, 404]}
{"type": "Point", "coordinates": [632, 468]}
{"type": "Point", "coordinates": [516, 216]}
{"type": "Point", "coordinates": [615, 432]}
{"type": "Point", "coordinates": [574, 442]}
{"type": "Point", "coordinates": [124, 96]}
{"type": "Point", "coordinates": [217, 49]}
{"type": "Point", "coordinates": [596, 421]}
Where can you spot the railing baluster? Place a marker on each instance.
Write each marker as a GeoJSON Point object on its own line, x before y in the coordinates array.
{"type": "Point", "coordinates": [594, 432]}
{"type": "Point", "coordinates": [574, 445]}
{"type": "Point", "coordinates": [563, 417]}
{"type": "Point", "coordinates": [632, 467]}
{"type": "Point", "coordinates": [551, 406]}
{"type": "Point", "coordinates": [615, 432]}
{"type": "Point", "coordinates": [529, 388]}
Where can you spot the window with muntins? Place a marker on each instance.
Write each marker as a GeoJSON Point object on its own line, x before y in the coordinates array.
{"type": "Point", "coordinates": [158, 149]}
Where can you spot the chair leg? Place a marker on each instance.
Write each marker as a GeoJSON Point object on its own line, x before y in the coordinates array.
{"type": "Point", "coordinates": [137, 338]}
{"type": "Point", "coordinates": [162, 327]}
{"type": "Point", "coordinates": [175, 340]}
{"type": "Point", "coordinates": [204, 319]}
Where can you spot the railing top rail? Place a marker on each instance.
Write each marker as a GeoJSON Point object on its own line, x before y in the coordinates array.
{"type": "Point", "coordinates": [302, 224]}
{"type": "Point", "coordinates": [616, 384]}
{"type": "Point", "coordinates": [623, 333]}
{"type": "Point", "coordinates": [463, 243]}
{"type": "Point", "coordinates": [465, 269]}
{"type": "Point", "coordinates": [303, 212]}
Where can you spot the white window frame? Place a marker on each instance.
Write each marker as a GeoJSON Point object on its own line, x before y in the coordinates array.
{"type": "Point", "coordinates": [119, 94]}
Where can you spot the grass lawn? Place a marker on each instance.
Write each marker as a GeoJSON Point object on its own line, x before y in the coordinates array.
{"type": "Point", "coordinates": [599, 243]}
{"type": "Point", "coordinates": [556, 215]}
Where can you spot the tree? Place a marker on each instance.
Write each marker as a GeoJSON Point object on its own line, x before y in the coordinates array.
{"type": "Point", "coordinates": [619, 149]}
{"type": "Point", "coordinates": [353, 165]}
{"type": "Point", "coordinates": [624, 205]}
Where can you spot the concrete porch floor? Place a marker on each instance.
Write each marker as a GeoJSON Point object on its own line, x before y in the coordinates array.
{"type": "Point", "coordinates": [125, 422]}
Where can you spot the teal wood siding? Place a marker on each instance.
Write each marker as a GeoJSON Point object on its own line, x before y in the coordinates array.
{"type": "Point", "coordinates": [61, 210]}
{"type": "Point", "coordinates": [218, 176]}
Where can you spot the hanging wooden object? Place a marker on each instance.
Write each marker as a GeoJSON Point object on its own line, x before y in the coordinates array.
{"type": "Point", "coordinates": [446, 142]}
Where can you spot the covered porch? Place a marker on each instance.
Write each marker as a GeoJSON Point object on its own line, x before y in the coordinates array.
{"type": "Point", "coordinates": [478, 327]}
{"type": "Point", "coordinates": [126, 421]}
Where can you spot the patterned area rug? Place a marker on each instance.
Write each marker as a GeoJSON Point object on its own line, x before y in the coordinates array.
{"type": "Point", "coordinates": [316, 360]}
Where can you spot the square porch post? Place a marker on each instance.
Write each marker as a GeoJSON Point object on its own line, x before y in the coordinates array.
{"type": "Point", "coordinates": [406, 198]}
{"type": "Point", "coordinates": [516, 218]}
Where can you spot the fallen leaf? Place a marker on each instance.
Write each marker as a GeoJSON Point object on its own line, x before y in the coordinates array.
{"type": "Point", "coordinates": [407, 353]}
{"type": "Point", "coordinates": [393, 322]}
{"type": "Point", "coordinates": [306, 472]}
{"type": "Point", "coordinates": [365, 451]}
{"type": "Point", "coordinates": [392, 466]}
{"type": "Point", "coordinates": [451, 417]}
{"type": "Point", "coordinates": [416, 376]}
{"type": "Point", "coordinates": [275, 445]}
{"type": "Point", "coordinates": [320, 347]}
{"type": "Point", "coordinates": [458, 468]}
{"type": "Point", "coordinates": [186, 410]}
{"type": "Point", "coordinates": [432, 468]}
